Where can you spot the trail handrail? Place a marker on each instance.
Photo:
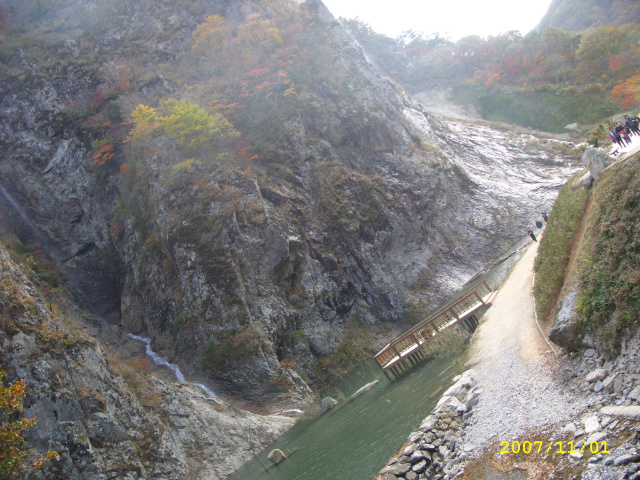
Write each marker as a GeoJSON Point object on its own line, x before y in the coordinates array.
{"type": "Point", "coordinates": [445, 316]}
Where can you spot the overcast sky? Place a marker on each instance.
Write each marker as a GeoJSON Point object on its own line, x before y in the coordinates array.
{"type": "Point", "coordinates": [454, 19]}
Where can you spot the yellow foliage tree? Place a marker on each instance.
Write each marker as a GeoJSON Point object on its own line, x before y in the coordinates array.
{"type": "Point", "coordinates": [146, 123]}
{"type": "Point", "coordinates": [13, 451]}
{"type": "Point", "coordinates": [184, 121]}
{"type": "Point", "coordinates": [209, 36]}
{"type": "Point", "coordinates": [192, 125]}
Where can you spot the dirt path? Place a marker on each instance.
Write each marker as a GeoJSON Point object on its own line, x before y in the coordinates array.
{"type": "Point", "coordinates": [510, 322]}
{"type": "Point", "coordinates": [514, 365]}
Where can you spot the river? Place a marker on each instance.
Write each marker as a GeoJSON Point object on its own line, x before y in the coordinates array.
{"type": "Point", "coordinates": [354, 440]}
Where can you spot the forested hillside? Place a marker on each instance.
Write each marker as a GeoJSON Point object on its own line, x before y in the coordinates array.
{"type": "Point", "coordinates": [543, 80]}
{"type": "Point", "coordinates": [582, 14]}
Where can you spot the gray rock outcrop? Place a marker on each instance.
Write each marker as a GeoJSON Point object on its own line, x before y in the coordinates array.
{"type": "Point", "coordinates": [103, 408]}
{"type": "Point", "coordinates": [276, 456]}
{"type": "Point", "coordinates": [565, 330]}
{"type": "Point", "coordinates": [596, 161]}
{"type": "Point", "coordinates": [328, 403]}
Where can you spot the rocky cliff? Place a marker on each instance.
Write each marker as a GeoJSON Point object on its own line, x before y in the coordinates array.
{"type": "Point", "coordinates": [333, 206]}
{"type": "Point", "coordinates": [102, 406]}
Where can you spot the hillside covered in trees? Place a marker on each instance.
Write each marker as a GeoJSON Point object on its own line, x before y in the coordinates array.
{"type": "Point", "coordinates": [563, 72]}
{"type": "Point", "coordinates": [580, 15]}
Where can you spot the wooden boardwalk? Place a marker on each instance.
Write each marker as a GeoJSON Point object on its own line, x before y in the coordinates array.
{"type": "Point", "coordinates": [409, 348]}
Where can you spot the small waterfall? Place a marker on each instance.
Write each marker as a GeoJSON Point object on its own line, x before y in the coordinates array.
{"type": "Point", "coordinates": [164, 362]}
{"type": "Point", "coordinates": [16, 206]}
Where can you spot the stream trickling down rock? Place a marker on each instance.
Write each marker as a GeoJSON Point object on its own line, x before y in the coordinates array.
{"type": "Point", "coordinates": [164, 362]}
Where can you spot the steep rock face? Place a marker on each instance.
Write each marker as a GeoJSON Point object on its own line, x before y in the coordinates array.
{"type": "Point", "coordinates": [47, 186]}
{"type": "Point", "coordinates": [358, 206]}
{"type": "Point", "coordinates": [107, 414]}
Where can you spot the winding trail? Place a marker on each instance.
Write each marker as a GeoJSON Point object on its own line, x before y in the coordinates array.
{"type": "Point", "coordinates": [514, 365]}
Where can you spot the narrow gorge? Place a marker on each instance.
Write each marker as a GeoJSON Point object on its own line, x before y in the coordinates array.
{"type": "Point", "coordinates": [237, 183]}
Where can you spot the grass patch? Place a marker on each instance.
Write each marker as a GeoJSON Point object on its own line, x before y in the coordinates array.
{"type": "Point", "coordinates": [556, 245]}
{"type": "Point", "coordinates": [545, 109]}
{"type": "Point", "coordinates": [610, 264]}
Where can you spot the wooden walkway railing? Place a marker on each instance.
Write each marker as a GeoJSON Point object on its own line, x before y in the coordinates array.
{"type": "Point", "coordinates": [411, 344]}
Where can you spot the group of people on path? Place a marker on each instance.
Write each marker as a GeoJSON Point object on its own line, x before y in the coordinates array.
{"type": "Point", "coordinates": [539, 225]}
{"type": "Point", "coordinates": [621, 134]}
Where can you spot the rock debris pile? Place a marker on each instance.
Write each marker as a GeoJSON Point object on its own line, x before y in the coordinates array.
{"type": "Point", "coordinates": [599, 439]}
{"type": "Point", "coordinates": [433, 450]}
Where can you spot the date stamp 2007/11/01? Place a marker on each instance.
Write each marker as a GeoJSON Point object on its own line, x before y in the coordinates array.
{"type": "Point", "coordinates": [549, 447]}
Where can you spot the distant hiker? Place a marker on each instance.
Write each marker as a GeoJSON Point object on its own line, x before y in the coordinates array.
{"type": "Point", "coordinates": [635, 125]}
{"type": "Point", "coordinates": [538, 224]}
{"type": "Point", "coordinates": [623, 135]}
{"type": "Point", "coordinates": [545, 216]}
{"type": "Point", "coordinates": [628, 123]}
{"type": "Point", "coordinates": [530, 233]}
{"type": "Point", "coordinates": [615, 137]}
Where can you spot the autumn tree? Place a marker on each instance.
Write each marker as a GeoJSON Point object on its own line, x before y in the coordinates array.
{"type": "Point", "coordinates": [13, 448]}
{"type": "Point", "coordinates": [601, 42]}
{"type": "Point", "coordinates": [627, 93]}
{"type": "Point", "coordinates": [208, 39]}
{"type": "Point", "coordinates": [181, 120]}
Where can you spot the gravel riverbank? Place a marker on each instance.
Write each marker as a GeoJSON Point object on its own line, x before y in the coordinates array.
{"type": "Point", "coordinates": [525, 409]}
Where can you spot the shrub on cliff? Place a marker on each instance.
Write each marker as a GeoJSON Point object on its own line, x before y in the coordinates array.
{"type": "Point", "coordinates": [13, 448]}
{"type": "Point", "coordinates": [181, 120]}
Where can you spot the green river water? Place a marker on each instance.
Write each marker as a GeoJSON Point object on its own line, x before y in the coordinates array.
{"type": "Point", "coordinates": [354, 440]}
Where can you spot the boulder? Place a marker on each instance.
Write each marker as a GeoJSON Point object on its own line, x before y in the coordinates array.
{"type": "Point", "coordinates": [399, 469]}
{"type": "Point", "coordinates": [417, 457]}
{"type": "Point", "coordinates": [564, 331]}
{"type": "Point", "coordinates": [451, 405]}
{"type": "Point", "coordinates": [591, 424]}
{"type": "Point", "coordinates": [420, 466]}
{"type": "Point", "coordinates": [586, 180]}
{"type": "Point", "coordinates": [328, 403]}
{"type": "Point", "coordinates": [632, 412]}
{"type": "Point", "coordinates": [410, 450]}
{"type": "Point", "coordinates": [276, 456]}
{"type": "Point", "coordinates": [627, 458]}
{"type": "Point", "coordinates": [595, 160]}
{"type": "Point", "coordinates": [635, 394]}
{"type": "Point", "coordinates": [597, 374]}
{"type": "Point", "coordinates": [595, 437]}
{"type": "Point", "coordinates": [363, 390]}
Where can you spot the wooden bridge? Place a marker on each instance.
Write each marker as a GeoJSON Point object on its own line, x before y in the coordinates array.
{"type": "Point", "coordinates": [410, 346]}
